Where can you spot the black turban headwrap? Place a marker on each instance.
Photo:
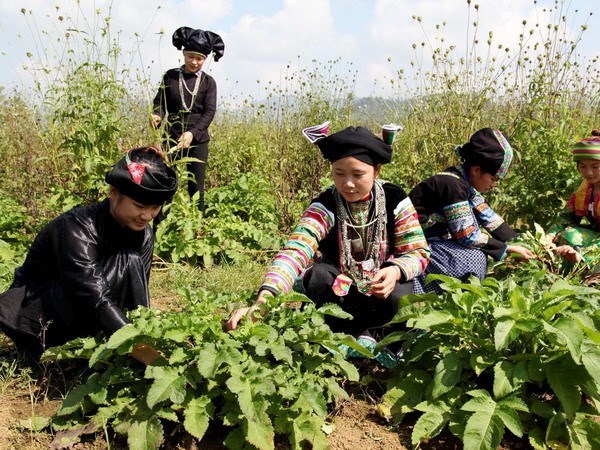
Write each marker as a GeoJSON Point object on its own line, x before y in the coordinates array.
{"type": "Point", "coordinates": [358, 142]}
{"type": "Point", "coordinates": [142, 175]}
{"type": "Point", "coordinates": [488, 149]}
{"type": "Point", "coordinates": [199, 41]}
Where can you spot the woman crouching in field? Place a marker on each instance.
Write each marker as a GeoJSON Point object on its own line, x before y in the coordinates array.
{"type": "Point", "coordinates": [367, 234]}
{"type": "Point", "coordinates": [452, 209]}
{"type": "Point", "coordinates": [581, 242]}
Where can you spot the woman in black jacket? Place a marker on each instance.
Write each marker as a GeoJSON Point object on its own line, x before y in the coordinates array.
{"type": "Point", "coordinates": [187, 99]}
{"type": "Point", "coordinates": [90, 264]}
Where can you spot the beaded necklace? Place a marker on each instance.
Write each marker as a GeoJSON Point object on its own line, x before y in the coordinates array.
{"type": "Point", "coordinates": [193, 93]}
{"type": "Point", "coordinates": [369, 225]}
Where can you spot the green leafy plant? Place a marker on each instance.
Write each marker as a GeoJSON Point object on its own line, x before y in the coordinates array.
{"type": "Point", "coordinates": [518, 355]}
{"type": "Point", "coordinates": [14, 237]}
{"type": "Point", "coordinates": [273, 377]}
{"type": "Point", "coordinates": [239, 223]}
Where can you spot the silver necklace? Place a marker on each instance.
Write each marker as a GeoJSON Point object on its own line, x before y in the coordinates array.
{"type": "Point", "coordinates": [362, 271]}
{"type": "Point", "coordinates": [193, 93]}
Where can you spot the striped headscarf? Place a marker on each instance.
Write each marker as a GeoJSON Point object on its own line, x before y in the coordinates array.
{"type": "Point", "coordinates": [588, 148]}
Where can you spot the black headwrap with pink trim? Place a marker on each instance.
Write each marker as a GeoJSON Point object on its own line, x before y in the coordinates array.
{"type": "Point", "coordinates": [142, 175]}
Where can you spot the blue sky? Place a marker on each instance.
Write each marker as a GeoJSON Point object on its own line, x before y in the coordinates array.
{"type": "Point", "coordinates": [263, 37]}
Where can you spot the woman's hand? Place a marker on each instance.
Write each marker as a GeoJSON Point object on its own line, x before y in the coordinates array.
{"type": "Point", "coordinates": [249, 311]}
{"type": "Point", "coordinates": [384, 282]}
{"type": "Point", "coordinates": [145, 354]}
{"type": "Point", "coordinates": [185, 140]}
{"type": "Point", "coordinates": [525, 253]}
{"type": "Point", "coordinates": [569, 253]}
{"type": "Point", "coordinates": [155, 120]}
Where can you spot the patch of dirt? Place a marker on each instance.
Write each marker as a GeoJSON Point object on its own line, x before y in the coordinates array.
{"type": "Point", "coordinates": [357, 426]}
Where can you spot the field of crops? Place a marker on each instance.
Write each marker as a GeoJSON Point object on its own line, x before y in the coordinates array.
{"type": "Point", "coordinates": [512, 361]}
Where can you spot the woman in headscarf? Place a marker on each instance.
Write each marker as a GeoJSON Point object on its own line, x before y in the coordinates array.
{"type": "Point", "coordinates": [367, 235]}
{"type": "Point", "coordinates": [581, 241]}
{"type": "Point", "coordinates": [90, 264]}
{"type": "Point", "coordinates": [452, 211]}
{"type": "Point", "coordinates": [187, 101]}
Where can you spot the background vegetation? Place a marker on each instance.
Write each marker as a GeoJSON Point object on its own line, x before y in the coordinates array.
{"type": "Point", "coordinates": [57, 142]}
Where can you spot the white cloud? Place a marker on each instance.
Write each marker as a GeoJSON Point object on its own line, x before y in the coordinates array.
{"type": "Point", "coordinates": [260, 45]}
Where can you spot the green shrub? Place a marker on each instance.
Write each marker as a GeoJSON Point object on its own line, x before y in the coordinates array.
{"type": "Point", "coordinates": [518, 355]}
{"type": "Point", "coordinates": [275, 377]}
{"type": "Point", "coordinates": [239, 223]}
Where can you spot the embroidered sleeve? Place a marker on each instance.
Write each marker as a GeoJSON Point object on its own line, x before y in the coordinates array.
{"type": "Point", "coordinates": [485, 214]}
{"type": "Point", "coordinates": [411, 252]}
{"type": "Point", "coordinates": [463, 226]}
{"type": "Point", "coordinates": [490, 220]}
{"type": "Point", "coordinates": [314, 225]}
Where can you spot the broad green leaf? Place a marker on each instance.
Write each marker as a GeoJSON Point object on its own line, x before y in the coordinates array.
{"type": "Point", "coordinates": [432, 319]}
{"type": "Point", "coordinates": [562, 380]}
{"type": "Point", "coordinates": [106, 413]}
{"type": "Point", "coordinates": [253, 407]}
{"type": "Point", "coordinates": [337, 391]}
{"type": "Point", "coordinates": [428, 426]}
{"type": "Point", "coordinates": [481, 400]}
{"type": "Point", "coordinates": [167, 414]}
{"type": "Point", "coordinates": [447, 374]}
{"type": "Point", "coordinates": [99, 397]}
{"type": "Point", "coordinates": [508, 377]}
{"type": "Point", "coordinates": [281, 352]}
{"type": "Point", "coordinates": [178, 356]}
{"type": "Point", "coordinates": [349, 370]}
{"type": "Point", "coordinates": [167, 384]}
{"type": "Point", "coordinates": [314, 397]}
{"type": "Point", "coordinates": [518, 300]}
{"type": "Point", "coordinates": [260, 434]}
{"type": "Point", "coordinates": [584, 433]}
{"type": "Point", "coordinates": [35, 423]}
{"type": "Point", "coordinates": [587, 325]}
{"type": "Point", "coordinates": [502, 312]}
{"type": "Point", "coordinates": [146, 435]}
{"type": "Point", "coordinates": [515, 403]}
{"type": "Point", "coordinates": [331, 309]}
{"type": "Point", "coordinates": [510, 419]}
{"type": "Point", "coordinates": [101, 354]}
{"type": "Point", "coordinates": [74, 399]}
{"type": "Point", "coordinates": [309, 429]}
{"type": "Point", "coordinates": [207, 359]}
{"type": "Point", "coordinates": [177, 335]}
{"type": "Point", "coordinates": [567, 333]}
{"type": "Point", "coordinates": [536, 370]}
{"type": "Point", "coordinates": [505, 333]}
{"type": "Point", "coordinates": [484, 429]}
{"type": "Point", "coordinates": [197, 416]}
{"type": "Point", "coordinates": [591, 360]}
{"type": "Point", "coordinates": [542, 408]}
{"type": "Point", "coordinates": [536, 438]}
{"type": "Point", "coordinates": [122, 335]}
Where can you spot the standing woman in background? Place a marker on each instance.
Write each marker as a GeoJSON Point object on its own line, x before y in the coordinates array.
{"type": "Point", "coordinates": [187, 98]}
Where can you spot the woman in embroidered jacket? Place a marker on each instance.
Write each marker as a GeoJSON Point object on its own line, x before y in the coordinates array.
{"type": "Point", "coordinates": [452, 211]}
{"type": "Point", "coordinates": [366, 231]}
{"type": "Point", "coordinates": [187, 98]}
{"type": "Point", "coordinates": [578, 241]}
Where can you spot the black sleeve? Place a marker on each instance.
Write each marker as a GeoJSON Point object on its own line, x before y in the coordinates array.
{"type": "Point", "coordinates": [76, 245]}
